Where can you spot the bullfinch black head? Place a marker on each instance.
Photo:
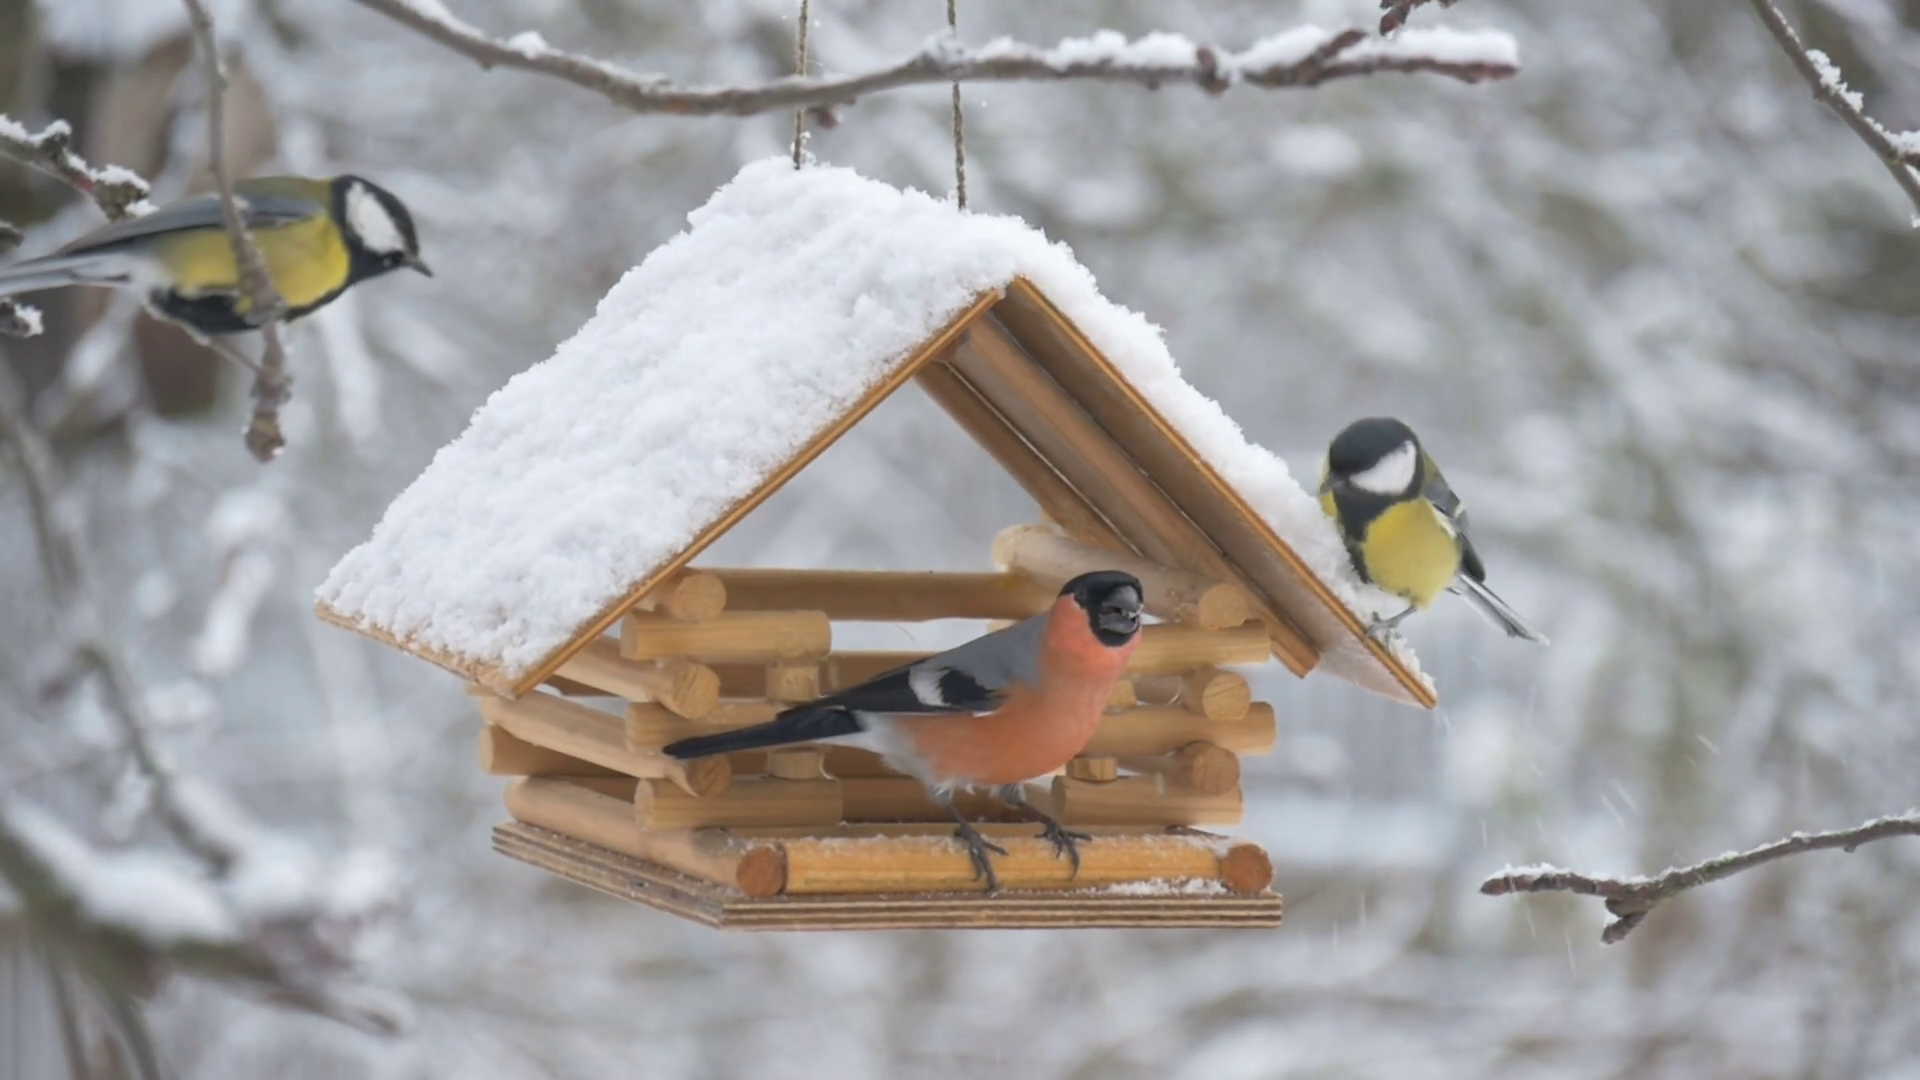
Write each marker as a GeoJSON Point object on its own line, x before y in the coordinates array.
{"type": "Point", "coordinates": [1112, 601]}
{"type": "Point", "coordinates": [1377, 456]}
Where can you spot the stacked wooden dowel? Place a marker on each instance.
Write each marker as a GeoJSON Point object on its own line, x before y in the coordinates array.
{"type": "Point", "coordinates": [715, 649]}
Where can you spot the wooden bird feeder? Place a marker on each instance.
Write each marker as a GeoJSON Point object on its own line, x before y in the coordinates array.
{"type": "Point", "coordinates": [587, 670]}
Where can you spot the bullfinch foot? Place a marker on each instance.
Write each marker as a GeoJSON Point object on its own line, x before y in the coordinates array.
{"type": "Point", "coordinates": [977, 848]}
{"type": "Point", "coordinates": [1065, 843]}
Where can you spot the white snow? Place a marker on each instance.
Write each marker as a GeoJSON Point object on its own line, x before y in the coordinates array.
{"type": "Point", "coordinates": [704, 370]}
{"type": "Point", "coordinates": [1283, 49]}
{"type": "Point", "coordinates": [529, 43]}
{"type": "Point", "coordinates": [28, 319]}
{"type": "Point", "coordinates": [12, 129]}
{"type": "Point", "coordinates": [156, 898]}
{"type": "Point", "coordinates": [1834, 82]}
{"type": "Point", "coordinates": [1444, 44]}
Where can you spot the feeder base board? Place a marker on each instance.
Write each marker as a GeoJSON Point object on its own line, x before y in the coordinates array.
{"type": "Point", "coordinates": [715, 905]}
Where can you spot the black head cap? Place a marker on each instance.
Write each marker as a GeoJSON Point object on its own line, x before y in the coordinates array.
{"type": "Point", "coordinates": [378, 227]}
{"type": "Point", "coordinates": [1362, 444]}
{"type": "Point", "coordinates": [1112, 600]}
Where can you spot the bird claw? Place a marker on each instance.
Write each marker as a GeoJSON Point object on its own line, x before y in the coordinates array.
{"type": "Point", "coordinates": [977, 848]}
{"type": "Point", "coordinates": [1065, 843]}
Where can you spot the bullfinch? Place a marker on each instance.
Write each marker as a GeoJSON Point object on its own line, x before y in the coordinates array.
{"type": "Point", "coordinates": [998, 711]}
{"type": "Point", "coordinates": [1405, 529]}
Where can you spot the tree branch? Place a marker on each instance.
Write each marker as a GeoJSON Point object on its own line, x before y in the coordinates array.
{"type": "Point", "coordinates": [1307, 56]}
{"type": "Point", "coordinates": [1900, 153]}
{"type": "Point", "coordinates": [1630, 899]}
{"type": "Point", "coordinates": [272, 385]}
{"type": "Point", "coordinates": [1395, 12]}
{"type": "Point", "coordinates": [119, 193]}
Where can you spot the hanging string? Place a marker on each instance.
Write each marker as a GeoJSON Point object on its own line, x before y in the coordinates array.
{"type": "Point", "coordinates": [959, 125]}
{"type": "Point", "coordinates": [800, 69]}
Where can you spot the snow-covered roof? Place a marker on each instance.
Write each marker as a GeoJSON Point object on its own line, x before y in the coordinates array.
{"type": "Point", "coordinates": [703, 375]}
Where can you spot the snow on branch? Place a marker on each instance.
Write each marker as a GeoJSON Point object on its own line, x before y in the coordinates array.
{"type": "Point", "coordinates": [1898, 151]}
{"type": "Point", "coordinates": [1307, 56]}
{"type": "Point", "coordinates": [120, 193]}
{"type": "Point", "coordinates": [248, 905]}
{"type": "Point", "coordinates": [1630, 899]}
{"type": "Point", "coordinates": [128, 918]}
{"type": "Point", "coordinates": [272, 385]}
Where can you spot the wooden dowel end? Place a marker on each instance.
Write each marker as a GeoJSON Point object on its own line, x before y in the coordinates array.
{"type": "Point", "coordinates": [1246, 869]}
{"type": "Point", "coordinates": [690, 595]}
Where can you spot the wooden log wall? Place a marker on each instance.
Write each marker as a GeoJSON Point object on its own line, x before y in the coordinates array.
{"type": "Point", "coordinates": [717, 650]}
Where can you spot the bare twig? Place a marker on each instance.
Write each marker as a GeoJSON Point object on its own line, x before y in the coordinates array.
{"type": "Point", "coordinates": [90, 648]}
{"type": "Point", "coordinates": [272, 385]}
{"type": "Point", "coordinates": [1899, 153]}
{"type": "Point", "coordinates": [1630, 899]}
{"type": "Point", "coordinates": [119, 193]}
{"type": "Point", "coordinates": [1394, 12]}
{"type": "Point", "coordinates": [1289, 60]}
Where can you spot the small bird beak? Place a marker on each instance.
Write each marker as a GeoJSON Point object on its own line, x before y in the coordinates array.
{"type": "Point", "coordinates": [1329, 484]}
{"type": "Point", "coordinates": [415, 262]}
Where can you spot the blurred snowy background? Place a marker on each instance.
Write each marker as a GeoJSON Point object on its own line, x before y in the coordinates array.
{"type": "Point", "coordinates": [1655, 309]}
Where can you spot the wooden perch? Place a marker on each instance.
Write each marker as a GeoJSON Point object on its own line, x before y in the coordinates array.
{"type": "Point", "coordinates": [1209, 692]}
{"type": "Point", "coordinates": [588, 734]}
{"type": "Point", "coordinates": [904, 862]}
{"type": "Point", "coordinates": [505, 754]}
{"type": "Point", "coordinates": [760, 637]}
{"type": "Point", "coordinates": [691, 595]}
{"type": "Point", "coordinates": [1123, 696]}
{"type": "Point", "coordinates": [1140, 800]}
{"type": "Point", "coordinates": [650, 727]}
{"type": "Point", "coordinates": [1202, 766]}
{"type": "Point", "coordinates": [883, 596]}
{"type": "Point", "coordinates": [1163, 729]}
{"type": "Point", "coordinates": [1050, 558]}
{"type": "Point", "coordinates": [689, 689]}
{"type": "Point", "coordinates": [747, 802]}
{"type": "Point", "coordinates": [756, 868]}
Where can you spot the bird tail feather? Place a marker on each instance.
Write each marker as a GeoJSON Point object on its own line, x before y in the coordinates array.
{"type": "Point", "coordinates": [54, 271]}
{"type": "Point", "coordinates": [1497, 611]}
{"type": "Point", "coordinates": [804, 724]}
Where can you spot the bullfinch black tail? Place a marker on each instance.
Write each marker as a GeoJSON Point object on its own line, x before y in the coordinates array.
{"type": "Point", "coordinates": [808, 723]}
{"type": "Point", "coordinates": [1497, 611]}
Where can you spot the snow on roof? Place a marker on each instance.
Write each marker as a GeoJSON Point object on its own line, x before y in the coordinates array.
{"type": "Point", "coordinates": [705, 370]}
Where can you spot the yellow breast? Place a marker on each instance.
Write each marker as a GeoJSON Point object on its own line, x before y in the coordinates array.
{"type": "Point", "coordinates": [1410, 552]}
{"type": "Point", "coordinates": [306, 259]}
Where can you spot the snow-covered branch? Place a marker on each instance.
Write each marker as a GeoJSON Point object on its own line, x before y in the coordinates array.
{"type": "Point", "coordinates": [272, 385]}
{"type": "Point", "coordinates": [1898, 151]}
{"type": "Point", "coordinates": [1630, 899]}
{"type": "Point", "coordinates": [120, 193]}
{"type": "Point", "coordinates": [259, 911]}
{"type": "Point", "coordinates": [128, 918]}
{"type": "Point", "coordinates": [1307, 56]}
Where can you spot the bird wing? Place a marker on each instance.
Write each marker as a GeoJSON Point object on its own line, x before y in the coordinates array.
{"type": "Point", "coordinates": [1438, 492]}
{"type": "Point", "coordinates": [970, 678]}
{"type": "Point", "coordinates": [198, 212]}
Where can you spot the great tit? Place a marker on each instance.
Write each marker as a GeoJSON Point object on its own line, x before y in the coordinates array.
{"type": "Point", "coordinates": [1405, 528]}
{"type": "Point", "coordinates": [318, 236]}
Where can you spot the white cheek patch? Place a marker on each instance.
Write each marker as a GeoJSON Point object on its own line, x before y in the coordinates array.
{"type": "Point", "coordinates": [369, 220]}
{"type": "Point", "coordinates": [1391, 475]}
